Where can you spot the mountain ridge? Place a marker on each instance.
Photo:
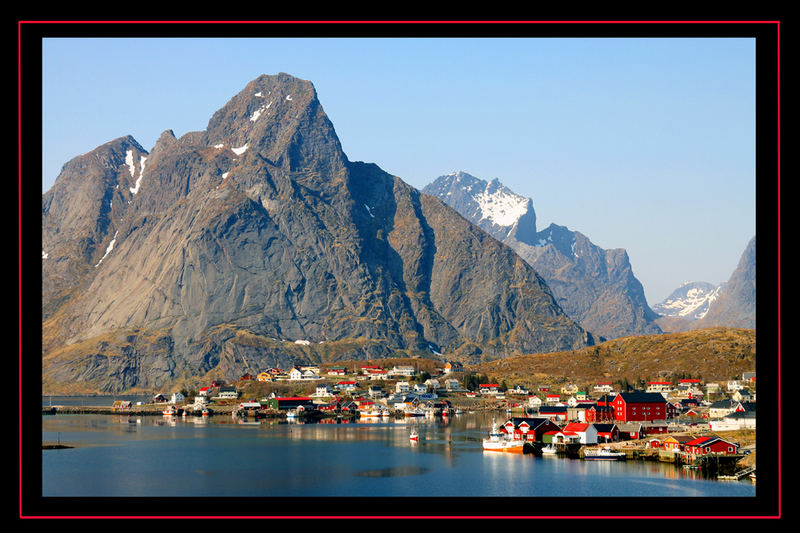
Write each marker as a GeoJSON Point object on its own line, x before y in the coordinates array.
{"type": "Point", "coordinates": [259, 227]}
{"type": "Point", "coordinates": [596, 287]}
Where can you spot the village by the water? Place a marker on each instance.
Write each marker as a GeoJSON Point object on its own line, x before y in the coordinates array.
{"type": "Point", "coordinates": [693, 424]}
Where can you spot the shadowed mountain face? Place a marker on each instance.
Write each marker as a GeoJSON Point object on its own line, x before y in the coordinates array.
{"type": "Point", "coordinates": [736, 305]}
{"type": "Point", "coordinates": [595, 287]}
{"type": "Point", "coordinates": [256, 243]}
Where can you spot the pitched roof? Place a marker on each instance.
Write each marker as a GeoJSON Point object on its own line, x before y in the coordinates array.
{"type": "Point", "coordinates": [576, 426]}
{"type": "Point", "coordinates": [604, 428]}
{"type": "Point", "coordinates": [553, 409]}
{"type": "Point", "coordinates": [642, 397]}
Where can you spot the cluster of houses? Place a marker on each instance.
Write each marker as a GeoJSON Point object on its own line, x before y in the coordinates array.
{"type": "Point", "coordinates": [314, 372]}
{"type": "Point", "coordinates": [661, 408]}
{"type": "Point", "coordinates": [545, 430]}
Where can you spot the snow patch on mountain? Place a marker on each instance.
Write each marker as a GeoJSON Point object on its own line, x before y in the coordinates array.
{"type": "Point", "coordinates": [500, 207]}
{"type": "Point", "coordinates": [691, 300]}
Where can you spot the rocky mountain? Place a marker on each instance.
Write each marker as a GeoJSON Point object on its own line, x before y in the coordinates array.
{"type": "Point", "coordinates": [257, 243]}
{"type": "Point", "coordinates": [736, 305]}
{"type": "Point", "coordinates": [691, 300]}
{"type": "Point", "coordinates": [595, 287]}
{"type": "Point", "coordinates": [700, 305]}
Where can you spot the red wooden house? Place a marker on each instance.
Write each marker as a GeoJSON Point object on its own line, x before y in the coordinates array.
{"type": "Point", "coordinates": [640, 406]}
{"type": "Point", "coordinates": [711, 444]}
{"type": "Point", "coordinates": [607, 432]}
{"type": "Point", "coordinates": [529, 429]}
{"type": "Point", "coordinates": [599, 413]}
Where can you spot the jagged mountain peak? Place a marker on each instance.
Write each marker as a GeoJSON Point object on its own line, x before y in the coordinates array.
{"type": "Point", "coordinates": [594, 286]}
{"type": "Point", "coordinates": [257, 232]}
{"type": "Point", "coordinates": [691, 300]}
{"type": "Point", "coordinates": [489, 204]}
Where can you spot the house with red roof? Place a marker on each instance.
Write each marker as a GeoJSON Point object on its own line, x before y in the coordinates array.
{"type": "Point", "coordinates": [587, 433]}
{"type": "Point", "coordinates": [489, 388]}
{"type": "Point", "coordinates": [561, 437]}
{"type": "Point", "coordinates": [527, 428]}
{"type": "Point", "coordinates": [709, 445]}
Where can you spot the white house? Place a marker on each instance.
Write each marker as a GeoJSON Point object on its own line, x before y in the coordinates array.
{"type": "Point", "coordinates": [420, 388]}
{"type": "Point", "coordinates": [201, 400]}
{"type": "Point", "coordinates": [177, 398]}
{"type": "Point", "coordinates": [534, 401]}
{"type": "Point", "coordinates": [733, 421]}
{"type": "Point", "coordinates": [432, 384]}
{"type": "Point", "coordinates": [734, 385]}
{"type": "Point", "coordinates": [402, 386]}
{"type": "Point", "coordinates": [489, 388]}
{"type": "Point", "coordinates": [451, 384]}
{"type": "Point", "coordinates": [227, 393]}
{"type": "Point", "coordinates": [552, 399]}
{"type": "Point", "coordinates": [402, 371]}
{"type": "Point", "coordinates": [323, 391]}
{"type": "Point", "coordinates": [603, 386]}
{"type": "Point", "coordinates": [572, 401]}
{"type": "Point", "coordinates": [303, 373]}
{"type": "Point", "coordinates": [586, 432]}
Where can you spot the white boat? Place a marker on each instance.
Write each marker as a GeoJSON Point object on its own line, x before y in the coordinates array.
{"type": "Point", "coordinates": [602, 454]}
{"type": "Point", "coordinates": [501, 442]}
{"type": "Point", "coordinates": [549, 450]}
{"type": "Point", "coordinates": [170, 411]}
{"type": "Point", "coordinates": [414, 436]}
{"type": "Point", "coordinates": [371, 413]}
{"type": "Point", "coordinates": [414, 412]}
{"type": "Point", "coordinates": [291, 415]}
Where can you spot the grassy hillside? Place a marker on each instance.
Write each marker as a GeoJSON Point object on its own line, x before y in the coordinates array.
{"type": "Point", "coordinates": [709, 354]}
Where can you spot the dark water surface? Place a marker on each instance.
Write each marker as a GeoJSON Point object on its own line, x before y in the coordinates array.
{"type": "Point", "coordinates": [224, 456]}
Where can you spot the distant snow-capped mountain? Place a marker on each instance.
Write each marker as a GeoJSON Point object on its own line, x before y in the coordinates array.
{"type": "Point", "coordinates": [594, 286]}
{"type": "Point", "coordinates": [691, 300]}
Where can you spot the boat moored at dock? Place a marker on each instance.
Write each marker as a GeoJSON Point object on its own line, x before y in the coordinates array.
{"type": "Point", "coordinates": [502, 442]}
{"type": "Point", "coordinates": [602, 454]}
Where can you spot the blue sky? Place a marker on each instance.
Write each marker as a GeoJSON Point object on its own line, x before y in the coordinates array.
{"type": "Point", "coordinates": [642, 144]}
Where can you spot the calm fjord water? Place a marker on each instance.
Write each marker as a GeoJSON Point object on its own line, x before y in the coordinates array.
{"type": "Point", "coordinates": [154, 456]}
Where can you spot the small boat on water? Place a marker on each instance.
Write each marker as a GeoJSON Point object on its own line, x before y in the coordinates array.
{"type": "Point", "coordinates": [414, 412]}
{"type": "Point", "coordinates": [375, 412]}
{"type": "Point", "coordinates": [501, 442]}
{"type": "Point", "coordinates": [414, 436]}
{"type": "Point", "coordinates": [549, 450]}
{"type": "Point", "coordinates": [205, 412]}
{"type": "Point", "coordinates": [602, 454]}
{"type": "Point", "coordinates": [291, 415]}
{"type": "Point", "coordinates": [170, 411]}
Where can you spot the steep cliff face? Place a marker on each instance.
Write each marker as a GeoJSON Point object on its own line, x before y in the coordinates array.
{"type": "Point", "coordinates": [700, 305]}
{"type": "Point", "coordinates": [595, 287]}
{"type": "Point", "coordinates": [735, 306]}
{"type": "Point", "coordinates": [217, 251]}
